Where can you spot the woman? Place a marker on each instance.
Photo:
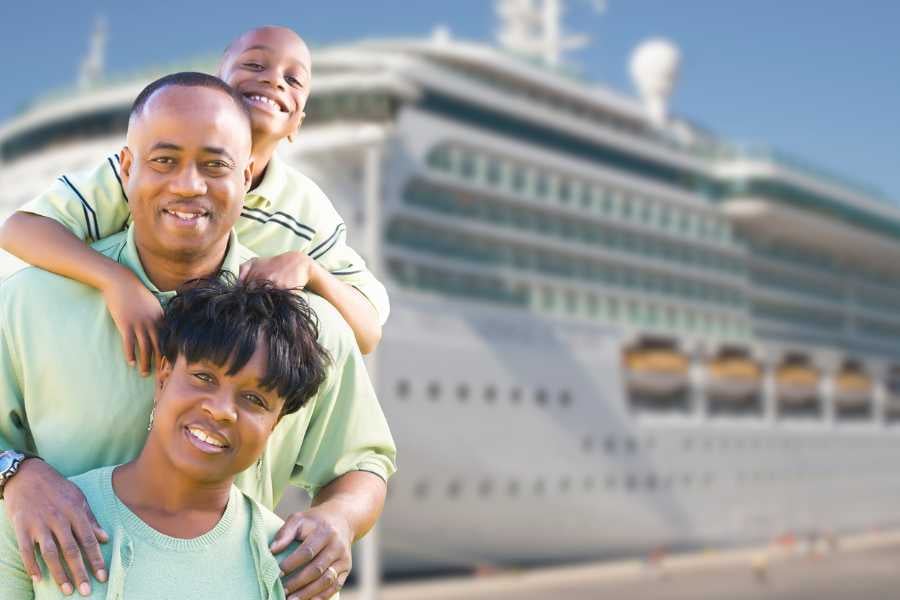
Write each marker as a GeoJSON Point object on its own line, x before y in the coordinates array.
{"type": "Point", "coordinates": [236, 357]}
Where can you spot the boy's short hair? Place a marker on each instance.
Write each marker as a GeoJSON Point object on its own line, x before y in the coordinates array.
{"type": "Point", "coordinates": [190, 79]}
{"type": "Point", "coordinates": [223, 320]}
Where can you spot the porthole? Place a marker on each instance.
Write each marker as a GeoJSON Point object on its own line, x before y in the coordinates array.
{"type": "Point", "coordinates": [539, 487]}
{"type": "Point", "coordinates": [490, 394]}
{"type": "Point", "coordinates": [609, 445]}
{"type": "Point", "coordinates": [512, 488]}
{"type": "Point", "coordinates": [454, 489]}
{"type": "Point", "coordinates": [421, 490]}
{"type": "Point", "coordinates": [565, 398]}
{"type": "Point", "coordinates": [434, 391]}
{"type": "Point", "coordinates": [402, 389]}
{"type": "Point", "coordinates": [485, 487]}
{"type": "Point", "coordinates": [462, 392]}
{"type": "Point", "coordinates": [565, 484]}
{"type": "Point", "coordinates": [541, 397]}
{"type": "Point", "coordinates": [611, 482]}
{"type": "Point", "coordinates": [587, 443]}
{"type": "Point", "coordinates": [515, 395]}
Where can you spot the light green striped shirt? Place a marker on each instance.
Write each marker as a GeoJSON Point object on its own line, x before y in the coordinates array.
{"type": "Point", "coordinates": [286, 211]}
{"type": "Point", "coordinates": [67, 394]}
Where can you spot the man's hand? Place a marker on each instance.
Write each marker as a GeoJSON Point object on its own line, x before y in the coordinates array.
{"type": "Point", "coordinates": [50, 512]}
{"type": "Point", "coordinates": [319, 567]}
{"type": "Point", "coordinates": [136, 313]}
{"type": "Point", "coordinates": [290, 270]}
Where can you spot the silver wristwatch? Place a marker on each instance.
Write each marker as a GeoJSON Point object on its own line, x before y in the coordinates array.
{"type": "Point", "coordinates": [10, 460]}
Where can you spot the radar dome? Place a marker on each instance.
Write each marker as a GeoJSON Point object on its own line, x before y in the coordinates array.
{"type": "Point", "coordinates": [654, 70]}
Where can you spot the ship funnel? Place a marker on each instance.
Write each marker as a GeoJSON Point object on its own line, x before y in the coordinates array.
{"type": "Point", "coordinates": [654, 67]}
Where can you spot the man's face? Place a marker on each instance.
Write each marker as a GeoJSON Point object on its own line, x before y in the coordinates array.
{"type": "Point", "coordinates": [212, 425]}
{"type": "Point", "coordinates": [271, 68]}
{"type": "Point", "coordinates": [185, 170]}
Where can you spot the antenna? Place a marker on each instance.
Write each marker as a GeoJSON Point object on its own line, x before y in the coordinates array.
{"type": "Point", "coordinates": [92, 66]}
{"type": "Point", "coordinates": [534, 29]}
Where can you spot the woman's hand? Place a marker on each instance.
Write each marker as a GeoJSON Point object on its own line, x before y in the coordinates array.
{"type": "Point", "coordinates": [318, 568]}
{"type": "Point", "coordinates": [136, 313]}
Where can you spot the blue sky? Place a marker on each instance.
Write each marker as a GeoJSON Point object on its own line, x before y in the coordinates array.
{"type": "Point", "coordinates": [819, 79]}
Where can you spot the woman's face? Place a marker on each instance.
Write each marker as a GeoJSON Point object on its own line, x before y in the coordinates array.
{"type": "Point", "coordinates": [212, 425]}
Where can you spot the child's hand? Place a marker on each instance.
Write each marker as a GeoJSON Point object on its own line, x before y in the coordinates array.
{"type": "Point", "coordinates": [290, 270]}
{"type": "Point", "coordinates": [136, 313]}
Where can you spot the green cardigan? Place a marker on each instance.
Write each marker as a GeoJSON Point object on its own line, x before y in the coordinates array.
{"type": "Point", "coordinates": [232, 558]}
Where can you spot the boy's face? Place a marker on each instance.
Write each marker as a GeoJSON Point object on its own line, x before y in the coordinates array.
{"type": "Point", "coordinates": [212, 425]}
{"type": "Point", "coordinates": [271, 68]}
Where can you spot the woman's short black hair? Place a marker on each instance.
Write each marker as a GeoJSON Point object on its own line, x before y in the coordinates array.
{"type": "Point", "coordinates": [222, 320]}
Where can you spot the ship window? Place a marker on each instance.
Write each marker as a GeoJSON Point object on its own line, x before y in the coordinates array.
{"type": "Point", "coordinates": [541, 185]}
{"type": "Point", "coordinates": [434, 391]}
{"type": "Point", "coordinates": [565, 191]}
{"type": "Point", "coordinates": [439, 158]}
{"type": "Point", "coordinates": [513, 488]}
{"type": "Point", "coordinates": [454, 489]}
{"type": "Point", "coordinates": [490, 394]}
{"type": "Point", "coordinates": [539, 487]}
{"type": "Point", "coordinates": [587, 443]}
{"type": "Point", "coordinates": [467, 165]}
{"type": "Point", "coordinates": [630, 445]}
{"type": "Point", "coordinates": [515, 395]}
{"type": "Point", "coordinates": [421, 490]}
{"type": "Point", "coordinates": [541, 397]}
{"type": "Point", "coordinates": [650, 482]}
{"type": "Point", "coordinates": [462, 392]}
{"type": "Point", "coordinates": [631, 482]}
{"type": "Point", "coordinates": [402, 389]}
{"type": "Point", "coordinates": [485, 488]}
{"type": "Point", "coordinates": [564, 484]}
{"type": "Point", "coordinates": [494, 171]}
{"type": "Point", "coordinates": [611, 482]}
{"type": "Point", "coordinates": [609, 445]}
{"type": "Point", "coordinates": [565, 398]}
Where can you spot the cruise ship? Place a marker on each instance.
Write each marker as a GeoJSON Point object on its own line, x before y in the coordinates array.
{"type": "Point", "coordinates": [612, 331]}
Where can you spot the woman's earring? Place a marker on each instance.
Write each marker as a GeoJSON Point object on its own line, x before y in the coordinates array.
{"type": "Point", "coordinates": [152, 414]}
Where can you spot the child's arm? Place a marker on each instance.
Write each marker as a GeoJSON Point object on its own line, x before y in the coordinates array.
{"type": "Point", "coordinates": [296, 269]}
{"type": "Point", "coordinates": [45, 243]}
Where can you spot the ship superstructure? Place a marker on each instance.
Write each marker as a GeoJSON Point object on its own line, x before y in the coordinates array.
{"type": "Point", "coordinates": [611, 330]}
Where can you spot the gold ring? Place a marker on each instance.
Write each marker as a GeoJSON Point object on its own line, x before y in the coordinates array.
{"type": "Point", "coordinates": [334, 574]}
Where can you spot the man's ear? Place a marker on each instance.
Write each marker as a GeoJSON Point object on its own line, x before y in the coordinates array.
{"type": "Point", "coordinates": [248, 176]}
{"type": "Point", "coordinates": [125, 162]}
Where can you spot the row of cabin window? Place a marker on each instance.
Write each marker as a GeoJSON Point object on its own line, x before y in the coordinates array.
{"type": "Point", "coordinates": [490, 394]}
{"type": "Point", "coordinates": [571, 230]}
{"type": "Point", "coordinates": [534, 182]}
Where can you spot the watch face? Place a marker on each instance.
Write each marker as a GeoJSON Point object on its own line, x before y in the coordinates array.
{"type": "Point", "coordinates": [6, 462]}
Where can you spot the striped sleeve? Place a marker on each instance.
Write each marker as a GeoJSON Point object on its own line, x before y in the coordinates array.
{"type": "Point", "coordinates": [92, 205]}
{"type": "Point", "coordinates": [330, 249]}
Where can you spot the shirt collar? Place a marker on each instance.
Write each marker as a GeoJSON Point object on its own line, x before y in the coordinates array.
{"type": "Point", "coordinates": [129, 257]}
{"type": "Point", "coordinates": [272, 185]}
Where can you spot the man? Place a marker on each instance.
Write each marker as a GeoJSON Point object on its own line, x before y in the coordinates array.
{"type": "Point", "coordinates": [67, 396]}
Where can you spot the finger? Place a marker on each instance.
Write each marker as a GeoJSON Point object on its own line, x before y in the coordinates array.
{"type": "Point", "coordinates": [322, 587]}
{"type": "Point", "coordinates": [128, 345]}
{"type": "Point", "coordinates": [84, 533]}
{"type": "Point", "coordinates": [316, 570]}
{"type": "Point", "coordinates": [53, 560]}
{"type": "Point", "coordinates": [71, 552]}
{"type": "Point", "coordinates": [310, 548]}
{"type": "Point", "coordinates": [245, 269]}
{"type": "Point", "coordinates": [26, 550]}
{"type": "Point", "coordinates": [143, 351]}
{"type": "Point", "coordinates": [153, 334]}
{"type": "Point", "coordinates": [289, 532]}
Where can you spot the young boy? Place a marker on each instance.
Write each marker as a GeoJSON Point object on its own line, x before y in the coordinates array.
{"type": "Point", "coordinates": [286, 219]}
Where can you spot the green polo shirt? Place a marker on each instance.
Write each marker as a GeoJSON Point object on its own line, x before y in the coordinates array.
{"type": "Point", "coordinates": [287, 211]}
{"type": "Point", "coordinates": [67, 394]}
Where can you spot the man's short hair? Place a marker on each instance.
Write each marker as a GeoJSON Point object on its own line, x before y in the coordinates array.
{"type": "Point", "coordinates": [189, 79]}
{"type": "Point", "coordinates": [223, 321]}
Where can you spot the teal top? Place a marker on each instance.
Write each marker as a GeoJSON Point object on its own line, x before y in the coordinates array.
{"type": "Point", "coordinates": [67, 394]}
{"type": "Point", "coordinates": [232, 560]}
